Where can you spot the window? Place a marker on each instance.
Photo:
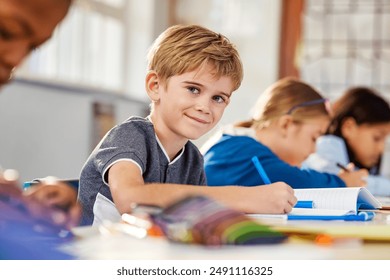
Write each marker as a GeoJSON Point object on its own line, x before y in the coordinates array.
{"type": "Point", "coordinates": [87, 49]}
{"type": "Point", "coordinates": [346, 43]}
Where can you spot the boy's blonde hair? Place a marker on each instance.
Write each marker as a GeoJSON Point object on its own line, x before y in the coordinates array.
{"type": "Point", "coordinates": [288, 96]}
{"type": "Point", "coordinates": [185, 48]}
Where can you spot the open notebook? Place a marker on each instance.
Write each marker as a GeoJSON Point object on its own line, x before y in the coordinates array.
{"type": "Point", "coordinates": [332, 204]}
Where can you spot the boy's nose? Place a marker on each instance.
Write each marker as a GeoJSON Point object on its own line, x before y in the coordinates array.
{"type": "Point", "coordinates": [203, 105]}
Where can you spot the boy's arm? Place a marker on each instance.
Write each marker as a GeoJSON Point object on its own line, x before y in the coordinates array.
{"type": "Point", "coordinates": [127, 187]}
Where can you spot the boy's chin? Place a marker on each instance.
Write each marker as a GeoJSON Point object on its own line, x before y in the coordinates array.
{"type": "Point", "coordinates": [194, 137]}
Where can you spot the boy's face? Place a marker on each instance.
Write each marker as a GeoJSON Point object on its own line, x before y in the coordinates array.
{"type": "Point", "coordinates": [24, 25]}
{"type": "Point", "coordinates": [191, 104]}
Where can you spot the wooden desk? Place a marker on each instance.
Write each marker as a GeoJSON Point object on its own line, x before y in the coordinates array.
{"type": "Point", "coordinates": [92, 245]}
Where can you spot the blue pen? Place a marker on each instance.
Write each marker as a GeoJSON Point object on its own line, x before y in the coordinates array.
{"type": "Point", "coordinates": [304, 204]}
{"type": "Point", "coordinates": [261, 170]}
{"type": "Point", "coordinates": [267, 181]}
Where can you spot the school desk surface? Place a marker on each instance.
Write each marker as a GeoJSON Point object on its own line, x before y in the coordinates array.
{"type": "Point", "coordinates": [92, 244]}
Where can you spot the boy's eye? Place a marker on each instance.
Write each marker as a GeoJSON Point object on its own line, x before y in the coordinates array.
{"type": "Point", "coordinates": [193, 90]}
{"type": "Point", "coordinates": [219, 99]}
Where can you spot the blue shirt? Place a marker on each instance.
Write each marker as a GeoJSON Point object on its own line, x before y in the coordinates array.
{"type": "Point", "coordinates": [229, 162]}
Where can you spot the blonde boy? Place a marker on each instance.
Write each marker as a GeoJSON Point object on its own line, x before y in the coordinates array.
{"type": "Point", "coordinates": [191, 75]}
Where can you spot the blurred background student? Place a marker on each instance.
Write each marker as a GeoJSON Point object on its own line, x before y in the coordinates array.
{"type": "Point", "coordinates": [288, 119]}
{"type": "Point", "coordinates": [357, 134]}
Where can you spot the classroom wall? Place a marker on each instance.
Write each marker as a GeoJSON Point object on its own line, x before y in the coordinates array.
{"type": "Point", "coordinates": [47, 130]}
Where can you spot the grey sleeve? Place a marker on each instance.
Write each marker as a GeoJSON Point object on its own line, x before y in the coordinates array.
{"type": "Point", "coordinates": [123, 142]}
{"type": "Point", "coordinates": [202, 179]}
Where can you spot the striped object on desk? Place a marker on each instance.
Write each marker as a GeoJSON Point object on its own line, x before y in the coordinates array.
{"type": "Point", "coordinates": [201, 220]}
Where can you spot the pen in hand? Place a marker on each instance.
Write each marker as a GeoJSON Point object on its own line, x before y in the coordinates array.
{"type": "Point", "coordinates": [343, 167]}
{"type": "Point", "coordinates": [261, 170]}
{"type": "Point", "coordinates": [267, 181]}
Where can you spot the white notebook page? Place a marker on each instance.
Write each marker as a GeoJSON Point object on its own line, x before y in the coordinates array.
{"type": "Point", "coordinates": [330, 198]}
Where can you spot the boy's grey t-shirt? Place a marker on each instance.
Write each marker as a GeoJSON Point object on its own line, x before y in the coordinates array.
{"type": "Point", "coordinates": [134, 140]}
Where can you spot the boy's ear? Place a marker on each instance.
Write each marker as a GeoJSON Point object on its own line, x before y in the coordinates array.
{"type": "Point", "coordinates": [152, 83]}
{"type": "Point", "coordinates": [348, 128]}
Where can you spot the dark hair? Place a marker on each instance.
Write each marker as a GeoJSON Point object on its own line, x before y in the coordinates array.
{"type": "Point", "coordinates": [362, 104]}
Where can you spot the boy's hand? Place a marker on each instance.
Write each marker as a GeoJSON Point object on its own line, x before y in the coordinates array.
{"type": "Point", "coordinates": [276, 198]}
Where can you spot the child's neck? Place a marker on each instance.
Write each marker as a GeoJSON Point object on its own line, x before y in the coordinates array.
{"type": "Point", "coordinates": [171, 142]}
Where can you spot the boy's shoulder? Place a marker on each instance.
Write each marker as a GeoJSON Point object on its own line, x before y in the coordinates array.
{"type": "Point", "coordinates": [133, 128]}
{"type": "Point", "coordinates": [135, 122]}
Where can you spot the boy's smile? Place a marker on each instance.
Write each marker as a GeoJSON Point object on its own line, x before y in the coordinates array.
{"type": "Point", "coordinates": [200, 120]}
{"type": "Point", "coordinates": [189, 105]}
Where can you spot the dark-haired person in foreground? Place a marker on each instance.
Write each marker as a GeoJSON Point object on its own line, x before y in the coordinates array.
{"type": "Point", "coordinates": [35, 222]}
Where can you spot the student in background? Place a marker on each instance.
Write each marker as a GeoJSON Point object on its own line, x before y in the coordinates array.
{"type": "Point", "coordinates": [191, 76]}
{"type": "Point", "coordinates": [289, 116]}
{"type": "Point", "coordinates": [30, 222]}
{"type": "Point", "coordinates": [357, 135]}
